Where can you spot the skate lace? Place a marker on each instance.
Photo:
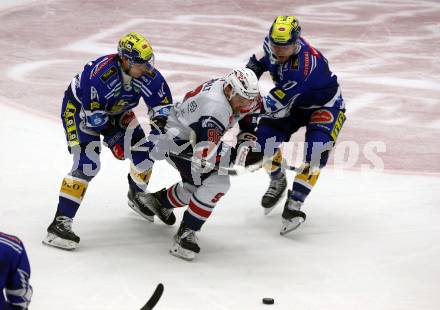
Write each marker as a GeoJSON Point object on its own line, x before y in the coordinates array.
{"type": "Point", "coordinates": [189, 235]}
{"type": "Point", "coordinates": [144, 198]}
{"type": "Point", "coordinates": [274, 187]}
{"type": "Point", "coordinates": [65, 221]}
{"type": "Point", "coordinates": [166, 212]}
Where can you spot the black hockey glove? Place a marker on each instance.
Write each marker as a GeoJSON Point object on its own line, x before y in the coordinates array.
{"type": "Point", "coordinates": [257, 66]}
{"type": "Point", "coordinates": [247, 151]}
{"type": "Point", "coordinates": [158, 124]}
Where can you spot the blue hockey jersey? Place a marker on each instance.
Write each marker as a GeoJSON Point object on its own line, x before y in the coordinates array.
{"type": "Point", "coordinates": [102, 89]}
{"type": "Point", "coordinates": [304, 81]}
{"type": "Point", "coordinates": [14, 274]}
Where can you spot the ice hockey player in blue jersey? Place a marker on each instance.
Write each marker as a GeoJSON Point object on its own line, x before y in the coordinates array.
{"type": "Point", "coordinates": [306, 94]}
{"type": "Point", "coordinates": [196, 126]}
{"type": "Point", "coordinates": [15, 290]}
{"type": "Point", "coordinates": [98, 103]}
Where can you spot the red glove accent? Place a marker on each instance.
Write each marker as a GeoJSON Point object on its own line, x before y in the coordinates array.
{"type": "Point", "coordinates": [118, 151]}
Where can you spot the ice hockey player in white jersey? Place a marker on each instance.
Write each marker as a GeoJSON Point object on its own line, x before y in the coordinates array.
{"type": "Point", "coordinates": [195, 126]}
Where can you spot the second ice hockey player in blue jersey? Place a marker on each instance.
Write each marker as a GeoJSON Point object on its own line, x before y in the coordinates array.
{"type": "Point", "coordinates": [98, 103]}
{"type": "Point", "coordinates": [15, 290]}
{"type": "Point", "coordinates": [306, 94]}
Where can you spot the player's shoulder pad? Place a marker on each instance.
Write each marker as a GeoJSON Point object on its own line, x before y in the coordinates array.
{"type": "Point", "coordinates": [151, 78]}
{"type": "Point", "coordinates": [152, 84]}
{"type": "Point", "coordinates": [212, 101]}
{"type": "Point", "coordinates": [105, 70]}
{"type": "Point", "coordinates": [11, 242]}
{"type": "Point", "coordinates": [307, 58]}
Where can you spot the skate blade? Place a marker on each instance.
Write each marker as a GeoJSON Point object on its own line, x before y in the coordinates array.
{"type": "Point", "coordinates": [268, 210]}
{"type": "Point", "coordinates": [57, 242]}
{"type": "Point", "coordinates": [290, 225]}
{"type": "Point", "coordinates": [178, 251]}
{"type": "Point", "coordinates": [138, 211]}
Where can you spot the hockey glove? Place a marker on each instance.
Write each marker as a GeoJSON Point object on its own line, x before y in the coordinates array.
{"type": "Point", "coordinates": [257, 66]}
{"type": "Point", "coordinates": [115, 142]}
{"type": "Point", "coordinates": [247, 151]}
{"type": "Point", "coordinates": [158, 124]}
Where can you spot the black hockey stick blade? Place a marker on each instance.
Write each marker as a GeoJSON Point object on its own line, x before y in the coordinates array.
{"type": "Point", "coordinates": [154, 298]}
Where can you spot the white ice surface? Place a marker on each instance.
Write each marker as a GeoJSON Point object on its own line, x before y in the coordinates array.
{"type": "Point", "coordinates": [371, 241]}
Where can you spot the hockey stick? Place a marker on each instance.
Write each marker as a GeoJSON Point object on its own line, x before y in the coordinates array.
{"type": "Point", "coordinates": [154, 298]}
{"type": "Point", "coordinates": [257, 166]}
{"type": "Point", "coordinates": [238, 170]}
{"type": "Point", "coordinates": [204, 163]}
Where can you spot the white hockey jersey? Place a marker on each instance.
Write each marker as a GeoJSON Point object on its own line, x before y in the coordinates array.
{"type": "Point", "coordinates": [205, 114]}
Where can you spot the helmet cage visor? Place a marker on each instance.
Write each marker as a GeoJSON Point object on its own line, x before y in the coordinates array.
{"type": "Point", "coordinates": [148, 63]}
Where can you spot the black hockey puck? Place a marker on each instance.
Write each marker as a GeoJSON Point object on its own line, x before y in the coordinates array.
{"type": "Point", "coordinates": [268, 301]}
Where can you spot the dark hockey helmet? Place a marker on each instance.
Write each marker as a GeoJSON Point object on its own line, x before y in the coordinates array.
{"type": "Point", "coordinates": [285, 30]}
{"type": "Point", "coordinates": [136, 48]}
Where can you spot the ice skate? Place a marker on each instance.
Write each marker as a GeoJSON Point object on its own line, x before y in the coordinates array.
{"type": "Point", "coordinates": [185, 243]}
{"type": "Point", "coordinates": [152, 202]}
{"type": "Point", "coordinates": [139, 208]}
{"type": "Point", "coordinates": [60, 234]}
{"type": "Point", "coordinates": [273, 194]}
{"type": "Point", "coordinates": [292, 216]}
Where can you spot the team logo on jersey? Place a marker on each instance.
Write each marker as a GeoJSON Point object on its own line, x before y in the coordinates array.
{"type": "Point", "coordinates": [321, 117]}
{"type": "Point", "coordinates": [306, 63]}
{"type": "Point", "coordinates": [338, 125]}
{"type": "Point", "coordinates": [94, 105]}
{"type": "Point", "coordinates": [108, 74]}
{"type": "Point", "coordinates": [119, 106]}
{"type": "Point", "coordinates": [280, 94]}
{"type": "Point", "coordinates": [295, 64]}
{"type": "Point", "coordinates": [192, 106]}
{"type": "Point", "coordinates": [73, 188]}
{"type": "Point", "coordinates": [165, 111]}
{"type": "Point", "coordinates": [151, 74]}
{"type": "Point", "coordinates": [70, 123]}
{"type": "Point", "coordinates": [102, 64]}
